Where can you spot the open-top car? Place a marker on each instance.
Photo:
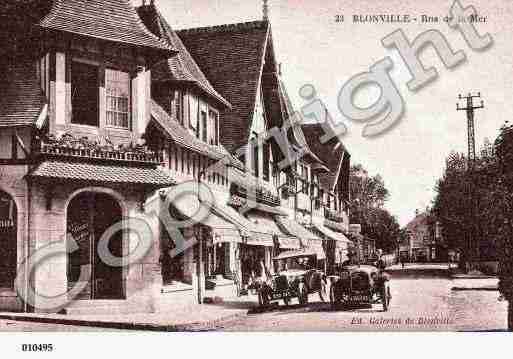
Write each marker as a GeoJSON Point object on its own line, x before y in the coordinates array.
{"type": "Point", "coordinates": [356, 285]}
{"type": "Point", "coordinates": [297, 276]}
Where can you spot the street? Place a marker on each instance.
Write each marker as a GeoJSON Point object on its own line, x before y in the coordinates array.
{"type": "Point", "coordinates": [418, 304]}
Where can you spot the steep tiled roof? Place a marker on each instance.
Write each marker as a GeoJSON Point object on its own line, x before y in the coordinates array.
{"type": "Point", "coordinates": [331, 153]}
{"type": "Point", "coordinates": [93, 172]}
{"type": "Point", "coordinates": [297, 138]}
{"type": "Point", "coordinates": [21, 99]}
{"type": "Point", "coordinates": [181, 67]}
{"type": "Point", "coordinates": [181, 136]}
{"type": "Point", "coordinates": [113, 20]}
{"type": "Point", "coordinates": [231, 56]}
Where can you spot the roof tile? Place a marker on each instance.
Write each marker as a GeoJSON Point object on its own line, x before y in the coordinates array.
{"type": "Point", "coordinates": [113, 20]}
{"type": "Point", "coordinates": [94, 172]}
{"type": "Point", "coordinates": [231, 57]}
{"type": "Point", "coordinates": [182, 137]}
{"type": "Point", "coordinates": [181, 67]}
{"type": "Point", "coordinates": [21, 100]}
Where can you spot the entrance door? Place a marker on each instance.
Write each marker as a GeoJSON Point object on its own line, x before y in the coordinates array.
{"type": "Point", "coordinates": [89, 216]}
{"type": "Point", "coordinates": [8, 241]}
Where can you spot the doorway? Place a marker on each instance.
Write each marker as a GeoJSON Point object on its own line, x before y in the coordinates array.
{"type": "Point", "coordinates": [89, 215]}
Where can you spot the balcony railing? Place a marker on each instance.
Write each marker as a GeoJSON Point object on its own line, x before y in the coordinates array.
{"type": "Point", "coordinates": [333, 215]}
{"type": "Point", "coordinates": [69, 146]}
{"type": "Point", "coordinates": [262, 194]}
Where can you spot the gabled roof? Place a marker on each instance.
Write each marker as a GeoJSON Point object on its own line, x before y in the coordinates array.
{"type": "Point", "coordinates": [112, 20]}
{"type": "Point", "coordinates": [182, 137]}
{"type": "Point", "coordinates": [181, 67]}
{"type": "Point", "coordinates": [331, 153]}
{"type": "Point", "coordinates": [297, 137]}
{"type": "Point", "coordinates": [21, 98]}
{"type": "Point", "coordinates": [232, 57]}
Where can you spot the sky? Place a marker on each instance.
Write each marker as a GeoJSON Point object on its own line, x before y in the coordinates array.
{"type": "Point", "coordinates": [314, 49]}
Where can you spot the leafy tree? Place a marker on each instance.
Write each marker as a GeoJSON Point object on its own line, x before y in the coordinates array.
{"type": "Point", "coordinates": [368, 196]}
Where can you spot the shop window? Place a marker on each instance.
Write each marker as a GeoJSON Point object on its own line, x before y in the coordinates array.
{"type": "Point", "coordinates": [84, 94]}
{"type": "Point", "coordinates": [117, 88]}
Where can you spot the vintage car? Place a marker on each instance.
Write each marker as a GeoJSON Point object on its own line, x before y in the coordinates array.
{"type": "Point", "coordinates": [356, 285]}
{"type": "Point", "coordinates": [297, 277]}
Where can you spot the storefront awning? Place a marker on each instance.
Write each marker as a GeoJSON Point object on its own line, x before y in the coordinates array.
{"type": "Point", "coordinates": [252, 233]}
{"type": "Point", "coordinates": [265, 225]}
{"type": "Point", "coordinates": [289, 243]}
{"type": "Point", "coordinates": [293, 228]}
{"type": "Point", "coordinates": [336, 236]}
{"type": "Point", "coordinates": [316, 246]}
{"type": "Point", "coordinates": [189, 206]}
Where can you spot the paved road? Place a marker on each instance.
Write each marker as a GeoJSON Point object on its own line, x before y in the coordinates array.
{"type": "Point", "coordinates": [418, 304]}
{"type": "Point", "coordinates": [427, 301]}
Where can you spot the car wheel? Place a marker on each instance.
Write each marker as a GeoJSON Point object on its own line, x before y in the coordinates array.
{"type": "Point", "coordinates": [323, 292]}
{"type": "Point", "coordinates": [303, 294]}
{"type": "Point", "coordinates": [263, 301]}
{"type": "Point", "coordinates": [333, 299]}
{"type": "Point", "coordinates": [385, 296]}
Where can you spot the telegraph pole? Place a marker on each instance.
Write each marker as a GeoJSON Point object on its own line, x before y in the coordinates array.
{"type": "Point", "coordinates": [470, 109]}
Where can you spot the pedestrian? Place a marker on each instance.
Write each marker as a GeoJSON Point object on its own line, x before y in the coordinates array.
{"type": "Point", "coordinates": [401, 258]}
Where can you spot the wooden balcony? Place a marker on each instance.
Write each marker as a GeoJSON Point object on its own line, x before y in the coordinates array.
{"type": "Point", "coordinates": [262, 194]}
{"type": "Point", "coordinates": [83, 148]}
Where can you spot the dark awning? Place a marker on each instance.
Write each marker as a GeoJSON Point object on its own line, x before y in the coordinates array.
{"type": "Point", "coordinates": [101, 173]}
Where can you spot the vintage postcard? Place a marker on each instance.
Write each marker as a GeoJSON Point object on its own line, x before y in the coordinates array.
{"type": "Point", "coordinates": [255, 166]}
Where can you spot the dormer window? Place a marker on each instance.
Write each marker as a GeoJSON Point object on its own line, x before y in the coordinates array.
{"type": "Point", "coordinates": [117, 89]}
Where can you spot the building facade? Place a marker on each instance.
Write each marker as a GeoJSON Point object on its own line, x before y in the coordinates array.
{"type": "Point", "coordinates": [108, 120]}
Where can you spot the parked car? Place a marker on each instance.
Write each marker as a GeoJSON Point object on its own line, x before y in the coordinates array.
{"type": "Point", "coordinates": [355, 285]}
{"type": "Point", "coordinates": [297, 277]}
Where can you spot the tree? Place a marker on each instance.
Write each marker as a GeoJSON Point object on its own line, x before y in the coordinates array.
{"type": "Point", "coordinates": [501, 201]}
{"type": "Point", "coordinates": [368, 196]}
{"type": "Point", "coordinates": [492, 192]}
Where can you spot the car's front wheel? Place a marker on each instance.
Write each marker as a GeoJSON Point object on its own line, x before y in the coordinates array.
{"type": "Point", "coordinates": [385, 296]}
{"type": "Point", "coordinates": [303, 294]}
{"type": "Point", "coordinates": [263, 300]}
{"type": "Point", "coordinates": [333, 299]}
{"type": "Point", "coordinates": [286, 300]}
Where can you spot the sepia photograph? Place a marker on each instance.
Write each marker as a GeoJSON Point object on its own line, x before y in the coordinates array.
{"type": "Point", "coordinates": [256, 166]}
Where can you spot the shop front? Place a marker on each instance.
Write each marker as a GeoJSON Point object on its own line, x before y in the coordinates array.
{"type": "Point", "coordinates": [336, 244]}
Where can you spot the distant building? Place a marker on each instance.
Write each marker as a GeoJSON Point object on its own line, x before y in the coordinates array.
{"type": "Point", "coordinates": [425, 242]}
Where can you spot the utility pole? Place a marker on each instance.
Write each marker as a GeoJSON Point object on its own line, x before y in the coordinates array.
{"type": "Point", "coordinates": [470, 108]}
{"type": "Point", "coordinates": [472, 246]}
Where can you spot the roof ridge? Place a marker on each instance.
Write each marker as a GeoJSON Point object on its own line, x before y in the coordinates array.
{"type": "Point", "coordinates": [257, 24]}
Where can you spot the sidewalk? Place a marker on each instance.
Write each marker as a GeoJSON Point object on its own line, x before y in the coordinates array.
{"type": "Point", "coordinates": [202, 317]}
{"type": "Point", "coordinates": [474, 283]}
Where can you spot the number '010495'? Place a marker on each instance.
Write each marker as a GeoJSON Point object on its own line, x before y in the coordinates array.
{"type": "Point", "coordinates": [37, 347]}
